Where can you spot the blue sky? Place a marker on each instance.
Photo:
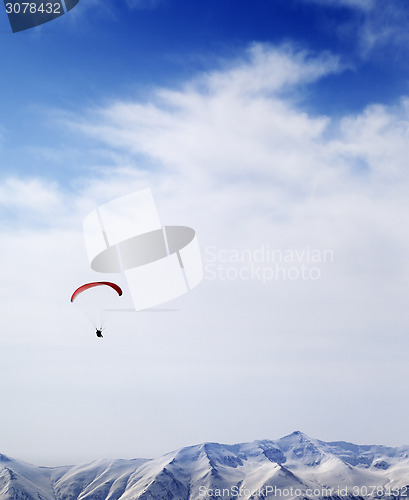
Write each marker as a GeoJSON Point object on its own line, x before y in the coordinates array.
{"type": "Point", "coordinates": [262, 124]}
{"type": "Point", "coordinates": [107, 48]}
{"type": "Point", "coordinates": [103, 50]}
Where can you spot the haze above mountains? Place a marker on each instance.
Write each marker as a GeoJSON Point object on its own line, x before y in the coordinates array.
{"type": "Point", "coordinates": [295, 466]}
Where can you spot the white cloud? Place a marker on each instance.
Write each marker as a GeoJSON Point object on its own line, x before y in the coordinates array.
{"type": "Point", "coordinates": [228, 123]}
{"type": "Point", "coordinates": [31, 195]}
{"type": "Point", "coordinates": [379, 137]}
{"type": "Point", "coordinates": [233, 155]}
{"type": "Point", "coordinates": [267, 70]}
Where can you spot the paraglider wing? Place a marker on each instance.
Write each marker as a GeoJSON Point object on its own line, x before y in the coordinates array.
{"type": "Point", "coordinates": [82, 288]}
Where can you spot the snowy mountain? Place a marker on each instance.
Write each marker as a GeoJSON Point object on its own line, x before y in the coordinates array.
{"type": "Point", "coordinates": [294, 466]}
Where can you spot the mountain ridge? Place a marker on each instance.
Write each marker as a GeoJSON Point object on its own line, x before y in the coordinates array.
{"type": "Point", "coordinates": [300, 466]}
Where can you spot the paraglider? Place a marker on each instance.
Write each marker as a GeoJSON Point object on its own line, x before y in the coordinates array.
{"type": "Point", "coordinates": [82, 288]}
{"type": "Point", "coordinates": [93, 303]}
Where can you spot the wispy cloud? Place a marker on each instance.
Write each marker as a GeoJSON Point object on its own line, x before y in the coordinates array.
{"type": "Point", "coordinates": [144, 4]}
{"type": "Point", "coordinates": [381, 26]}
{"type": "Point", "coordinates": [31, 195]}
{"type": "Point", "coordinates": [386, 26]}
{"type": "Point", "coordinates": [359, 4]}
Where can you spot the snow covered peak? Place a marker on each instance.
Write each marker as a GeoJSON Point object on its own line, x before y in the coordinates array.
{"type": "Point", "coordinates": [300, 448]}
{"type": "Point", "coordinates": [296, 438]}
